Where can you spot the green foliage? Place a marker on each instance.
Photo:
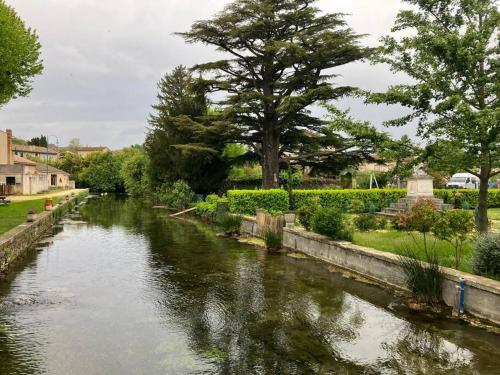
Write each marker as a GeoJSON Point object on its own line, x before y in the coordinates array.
{"type": "Point", "coordinates": [459, 197]}
{"type": "Point", "coordinates": [185, 140]}
{"type": "Point", "coordinates": [248, 201]}
{"type": "Point", "coordinates": [423, 279]}
{"type": "Point", "coordinates": [208, 208]}
{"type": "Point", "coordinates": [38, 141]}
{"type": "Point", "coordinates": [334, 198]}
{"type": "Point", "coordinates": [306, 213]}
{"type": "Point", "coordinates": [422, 216]}
{"type": "Point", "coordinates": [231, 224]}
{"type": "Point", "coordinates": [135, 173]}
{"type": "Point", "coordinates": [275, 72]}
{"type": "Point", "coordinates": [455, 227]}
{"type": "Point", "coordinates": [273, 240]}
{"type": "Point", "coordinates": [331, 222]}
{"type": "Point", "coordinates": [19, 55]}
{"type": "Point", "coordinates": [102, 172]}
{"type": "Point", "coordinates": [450, 51]}
{"type": "Point", "coordinates": [178, 195]}
{"type": "Point", "coordinates": [486, 259]}
{"type": "Point", "coordinates": [357, 206]}
{"type": "Point", "coordinates": [368, 222]}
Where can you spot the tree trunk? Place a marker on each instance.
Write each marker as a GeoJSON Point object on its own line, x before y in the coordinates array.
{"type": "Point", "coordinates": [270, 156]}
{"type": "Point", "coordinates": [482, 220]}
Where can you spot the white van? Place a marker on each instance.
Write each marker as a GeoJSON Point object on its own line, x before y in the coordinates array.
{"type": "Point", "coordinates": [463, 181]}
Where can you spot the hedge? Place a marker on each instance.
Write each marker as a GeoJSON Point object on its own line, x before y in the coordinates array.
{"type": "Point", "coordinates": [459, 197]}
{"type": "Point", "coordinates": [339, 198]}
{"type": "Point", "coordinates": [248, 201]}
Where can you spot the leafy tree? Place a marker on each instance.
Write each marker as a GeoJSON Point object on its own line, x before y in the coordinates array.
{"type": "Point", "coordinates": [74, 143]}
{"type": "Point", "coordinates": [404, 153]}
{"type": "Point", "coordinates": [102, 174]}
{"type": "Point", "coordinates": [136, 174]}
{"type": "Point", "coordinates": [38, 141]}
{"type": "Point", "coordinates": [278, 56]}
{"type": "Point", "coordinates": [186, 141]}
{"type": "Point", "coordinates": [450, 49]}
{"type": "Point", "coordinates": [71, 163]}
{"type": "Point", "coordinates": [19, 55]}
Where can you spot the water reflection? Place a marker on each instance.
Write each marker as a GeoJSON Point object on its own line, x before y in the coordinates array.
{"type": "Point", "coordinates": [134, 292]}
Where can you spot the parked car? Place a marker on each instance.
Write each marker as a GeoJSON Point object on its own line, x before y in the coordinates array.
{"type": "Point", "coordinates": [463, 181]}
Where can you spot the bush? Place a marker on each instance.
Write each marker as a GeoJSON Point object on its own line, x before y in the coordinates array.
{"type": "Point", "coordinates": [330, 222]}
{"type": "Point", "coordinates": [306, 213]}
{"type": "Point", "coordinates": [274, 241]}
{"type": "Point", "coordinates": [424, 280]}
{"type": "Point", "coordinates": [367, 222]}
{"type": "Point", "coordinates": [357, 206]}
{"type": "Point", "coordinates": [208, 208]}
{"type": "Point", "coordinates": [458, 197]}
{"type": "Point", "coordinates": [177, 195]}
{"type": "Point", "coordinates": [231, 224]}
{"type": "Point", "coordinates": [455, 226]}
{"type": "Point", "coordinates": [486, 259]}
{"type": "Point", "coordinates": [248, 201]}
{"type": "Point", "coordinates": [335, 198]}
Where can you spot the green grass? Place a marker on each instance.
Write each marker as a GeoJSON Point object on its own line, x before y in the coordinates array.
{"type": "Point", "coordinates": [494, 213]}
{"type": "Point", "coordinates": [393, 241]}
{"type": "Point", "coordinates": [15, 213]}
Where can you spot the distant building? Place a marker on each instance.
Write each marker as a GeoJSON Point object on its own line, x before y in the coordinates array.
{"type": "Point", "coordinates": [28, 151]}
{"type": "Point", "coordinates": [84, 151]}
{"type": "Point", "coordinates": [19, 175]}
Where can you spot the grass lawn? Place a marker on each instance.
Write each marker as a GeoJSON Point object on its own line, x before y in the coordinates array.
{"type": "Point", "coordinates": [15, 213]}
{"type": "Point", "coordinates": [494, 213]}
{"type": "Point", "coordinates": [395, 241]}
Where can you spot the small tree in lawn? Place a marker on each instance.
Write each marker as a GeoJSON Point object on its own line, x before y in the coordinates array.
{"type": "Point", "coordinates": [450, 49]}
{"type": "Point", "coordinates": [422, 218]}
{"type": "Point", "coordinates": [455, 227]}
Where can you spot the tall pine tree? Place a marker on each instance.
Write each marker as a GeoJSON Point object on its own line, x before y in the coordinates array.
{"type": "Point", "coordinates": [278, 59]}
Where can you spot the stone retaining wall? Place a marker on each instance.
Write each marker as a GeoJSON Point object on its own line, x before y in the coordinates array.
{"type": "Point", "coordinates": [482, 295]}
{"type": "Point", "coordinates": [16, 243]}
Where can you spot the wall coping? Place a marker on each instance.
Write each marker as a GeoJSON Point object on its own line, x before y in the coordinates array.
{"type": "Point", "coordinates": [476, 281]}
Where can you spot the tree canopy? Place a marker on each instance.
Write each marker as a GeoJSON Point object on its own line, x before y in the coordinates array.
{"type": "Point", "coordinates": [450, 50]}
{"type": "Point", "coordinates": [19, 55]}
{"type": "Point", "coordinates": [278, 59]}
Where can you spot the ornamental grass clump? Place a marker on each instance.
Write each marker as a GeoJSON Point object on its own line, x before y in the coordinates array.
{"type": "Point", "coordinates": [331, 222]}
{"type": "Point", "coordinates": [486, 259]}
{"type": "Point", "coordinates": [231, 224]}
{"type": "Point", "coordinates": [273, 240]}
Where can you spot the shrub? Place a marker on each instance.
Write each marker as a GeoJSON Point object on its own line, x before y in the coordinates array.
{"type": "Point", "coordinates": [486, 259]}
{"type": "Point", "coordinates": [454, 227]}
{"type": "Point", "coordinates": [208, 208]}
{"type": "Point", "coordinates": [330, 222]}
{"type": "Point", "coordinates": [306, 213]}
{"type": "Point", "coordinates": [366, 222]}
{"type": "Point", "coordinates": [459, 197]}
{"type": "Point", "coordinates": [357, 206]}
{"type": "Point", "coordinates": [274, 241]}
{"type": "Point", "coordinates": [248, 201]}
{"type": "Point", "coordinates": [231, 224]}
{"type": "Point", "coordinates": [424, 280]}
{"type": "Point", "coordinates": [177, 195]}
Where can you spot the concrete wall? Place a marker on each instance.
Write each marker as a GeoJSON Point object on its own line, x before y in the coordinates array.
{"type": "Point", "coordinates": [16, 243]}
{"type": "Point", "coordinates": [3, 148]}
{"type": "Point", "coordinates": [482, 295]}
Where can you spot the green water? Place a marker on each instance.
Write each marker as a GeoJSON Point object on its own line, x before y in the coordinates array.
{"type": "Point", "coordinates": [121, 289]}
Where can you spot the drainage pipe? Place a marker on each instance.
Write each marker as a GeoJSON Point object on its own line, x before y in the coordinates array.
{"type": "Point", "coordinates": [461, 298]}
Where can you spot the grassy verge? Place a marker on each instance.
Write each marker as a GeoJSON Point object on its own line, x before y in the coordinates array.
{"type": "Point", "coordinates": [15, 213]}
{"type": "Point", "coordinates": [394, 242]}
{"type": "Point", "coordinates": [494, 213]}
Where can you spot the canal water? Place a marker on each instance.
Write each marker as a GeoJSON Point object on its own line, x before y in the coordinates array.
{"type": "Point", "coordinates": [121, 289]}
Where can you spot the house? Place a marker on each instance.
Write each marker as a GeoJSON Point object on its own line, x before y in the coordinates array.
{"type": "Point", "coordinates": [28, 151]}
{"type": "Point", "coordinates": [84, 151]}
{"type": "Point", "coordinates": [19, 175]}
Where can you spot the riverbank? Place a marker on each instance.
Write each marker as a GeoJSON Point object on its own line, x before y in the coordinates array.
{"type": "Point", "coordinates": [16, 243]}
{"type": "Point", "coordinates": [482, 295]}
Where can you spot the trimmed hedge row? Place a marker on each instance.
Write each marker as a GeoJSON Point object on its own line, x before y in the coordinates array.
{"type": "Point", "coordinates": [459, 197]}
{"type": "Point", "coordinates": [340, 198]}
{"type": "Point", "coordinates": [248, 201]}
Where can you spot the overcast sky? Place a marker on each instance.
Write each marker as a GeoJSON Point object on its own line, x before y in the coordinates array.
{"type": "Point", "coordinates": [103, 59]}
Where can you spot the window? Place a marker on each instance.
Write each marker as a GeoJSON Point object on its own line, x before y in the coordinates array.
{"type": "Point", "coordinates": [10, 180]}
{"type": "Point", "coordinates": [53, 179]}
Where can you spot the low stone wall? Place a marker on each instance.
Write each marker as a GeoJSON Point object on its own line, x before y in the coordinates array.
{"type": "Point", "coordinates": [482, 295]}
{"type": "Point", "coordinates": [16, 243]}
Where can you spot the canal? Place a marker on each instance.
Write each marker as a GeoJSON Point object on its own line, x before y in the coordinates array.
{"type": "Point", "coordinates": [121, 289]}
